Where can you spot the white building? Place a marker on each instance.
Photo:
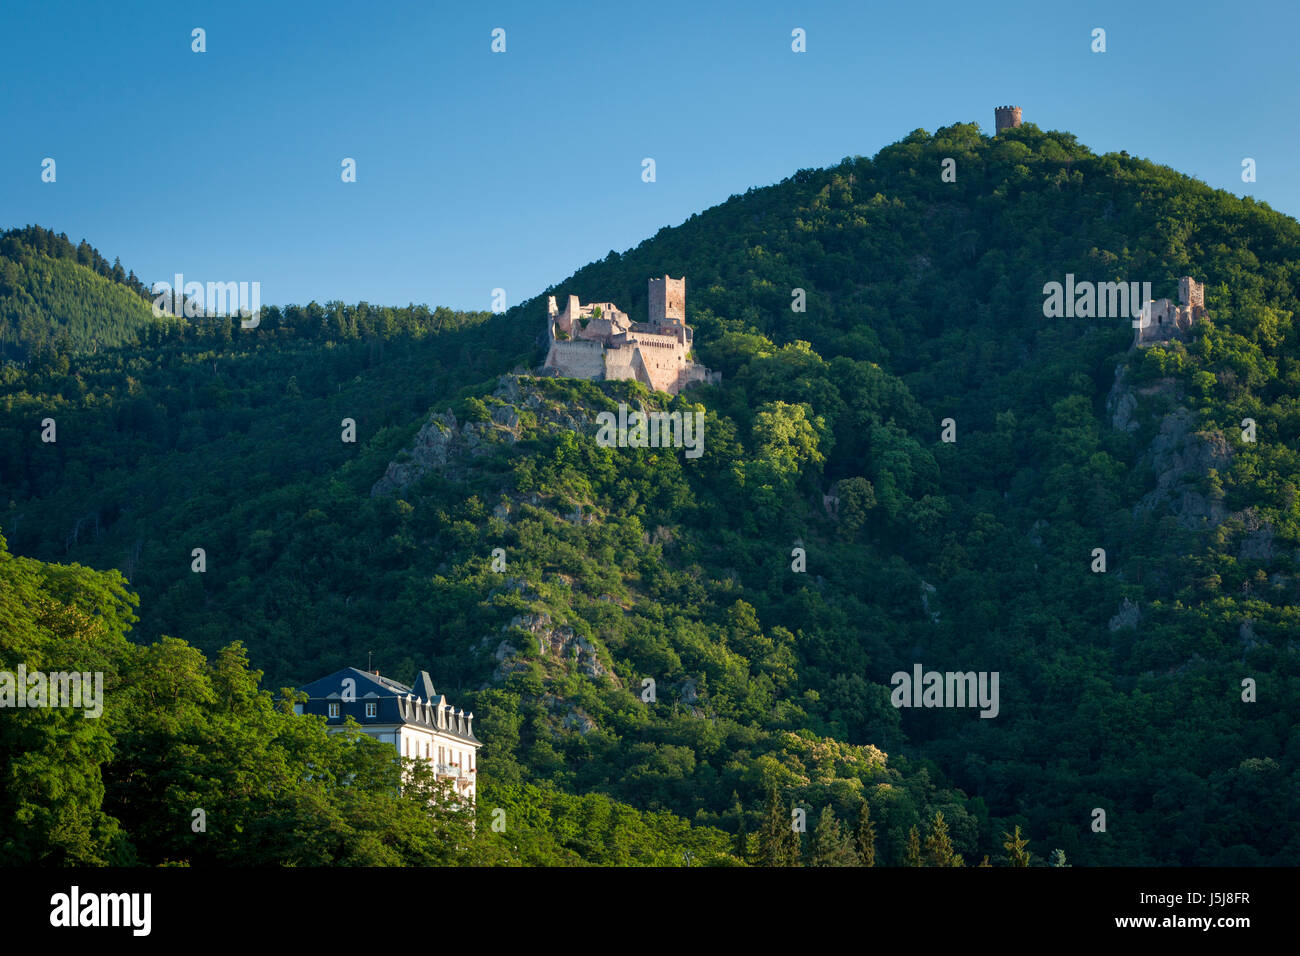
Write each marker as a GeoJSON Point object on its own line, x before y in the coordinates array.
{"type": "Point", "coordinates": [418, 722]}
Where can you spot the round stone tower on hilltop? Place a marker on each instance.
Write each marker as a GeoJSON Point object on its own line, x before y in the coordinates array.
{"type": "Point", "coordinates": [1006, 117]}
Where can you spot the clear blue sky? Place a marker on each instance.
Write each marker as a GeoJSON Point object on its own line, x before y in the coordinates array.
{"type": "Point", "coordinates": [477, 170]}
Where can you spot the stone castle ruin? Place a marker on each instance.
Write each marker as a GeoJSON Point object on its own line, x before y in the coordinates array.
{"type": "Point", "coordinates": [1006, 117]}
{"type": "Point", "coordinates": [599, 341]}
{"type": "Point", "coordinates": [1161, 320]}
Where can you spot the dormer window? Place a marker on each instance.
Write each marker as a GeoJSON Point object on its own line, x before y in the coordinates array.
{"type": "Point", "coordinates": [333, 710]}
{"type": "Point", "coordinates": [372, 708]}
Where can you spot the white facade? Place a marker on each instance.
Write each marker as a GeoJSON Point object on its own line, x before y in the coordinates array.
{"type": "Point", "coordinates": [452, 759]}
{"type": "Point", "coordinates": [418, 722]}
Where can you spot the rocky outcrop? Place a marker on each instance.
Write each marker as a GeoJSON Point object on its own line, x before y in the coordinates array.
{"type": "Point", "coordinates": [1124, 399]}
{"type": "Point", "coordinates": [515, 586]}
{"type": "Point", "coordinates": [431, 451]}
{"type": "Point", "coordinates": [1121, 403]}
{"type": "Point", "coordinates": [579, 721]}
{"type": "Point", "coordinates": [1126, 618]}
{"type": "Point", "coordinates": [1185, 461]}
{"type": "Point", "coordinates": [1257, 539]}
{"type": "Point", "coordinates": [927, 590]}
{"type": "Point", "coordinates": [1182, 458]}
{"type": "Point", "coordinates": [560, 642]}
{"type": "Point", "coordinates": [687, 691]}
{"type": "Point", "coordinates": [446, 446]}
{"type": "Point", "coordinates": [449, 447]}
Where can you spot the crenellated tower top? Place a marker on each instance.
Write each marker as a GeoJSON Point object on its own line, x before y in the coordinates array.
{"type": "Point", "coordinates": [1006, 117]}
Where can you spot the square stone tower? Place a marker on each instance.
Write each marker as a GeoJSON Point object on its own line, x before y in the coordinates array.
{"type": "Point", "coordinates": [1191, 292]}
{"type": "Point", "coordinates": [668, 301]}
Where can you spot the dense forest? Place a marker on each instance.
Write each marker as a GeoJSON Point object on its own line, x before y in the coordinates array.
{"type": "Point", "coordinates": [57, 297]}
{"type": "Point", "coordinates": [1121, 682]}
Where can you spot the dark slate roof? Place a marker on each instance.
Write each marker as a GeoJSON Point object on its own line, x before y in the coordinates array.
{"type": "Point", "coordinates": [390, 696]}
{"type": "Point", "coordinates": [423, 686]}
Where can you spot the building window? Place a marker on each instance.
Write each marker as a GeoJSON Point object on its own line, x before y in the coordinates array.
{"type": "Point", "coordinates": [372, 708]}
{"type": "Point", "coordinates": [334, 710]}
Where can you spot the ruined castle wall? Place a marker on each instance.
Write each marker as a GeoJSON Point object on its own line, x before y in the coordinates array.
{"type": "Point", "coordinates": [1191, 292]}
{"type": "Point", "coordinates": [604, 330]}
{"type": "Point", "coordinates": [608, 310]}
{"type": "Point", "coordinates": [664, 357]}
{"type": "Point", "coordinates": [1164, 321]}
{"type": "Point", "coordinates": [577, 359]}
{"type": "Point", "coordinates": [570, 315]}
{"type": "Point", "coordinates": [697, 374]}
{"type": "Point", "coordinates": [1159, 324]}
{"type": "Point", "coordinates": [625, 365]}
{"type": "Point", "coordinates": [597, 330]}
{"type": "Point", "coordinates": [654, 340]}
{"type": "Point", "coordinates": [663, 372]}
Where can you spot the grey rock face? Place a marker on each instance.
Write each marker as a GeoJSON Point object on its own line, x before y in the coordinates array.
{"type": "Point", "coordinates": [1121, 403]}
{"type": "Point", "coordinates": [1126, 618]}
{"type": "Point", "coordinates": [555, 641]}
{"type": "Point", "coordinates": [1181, 458]}
{"type": "Point", "coordinates": [447, 446]}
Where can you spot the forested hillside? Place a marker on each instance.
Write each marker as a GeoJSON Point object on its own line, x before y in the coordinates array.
{"type": "Point", "coordinates": [1121, 690]}
{"type": "Point", "coordinates": [57, 298]}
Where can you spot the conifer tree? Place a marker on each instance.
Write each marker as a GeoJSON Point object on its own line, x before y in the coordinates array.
{"type": "Point", "coordinates": [831, 846]}
{"type": "Point", "coordinates": [778, 844]}
{"type": "Point", "coordinates": [865, 836]}
{"type": "Point", "coordinates": [938, 845]}
{"type": "Point", "coordinates": [793, 838]}
{"type": "Point", "coordinates": [742, 837]}
{"type": "Point", "coordinates": [1015, 845]}
{"type": "Point", "coordinates": [912, 855]}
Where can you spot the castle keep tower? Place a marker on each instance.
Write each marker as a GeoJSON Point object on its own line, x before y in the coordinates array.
{"type": "Point", "coordinates": [668, 301]}
{"type": "Point", "coordinates": [1006, 117]}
